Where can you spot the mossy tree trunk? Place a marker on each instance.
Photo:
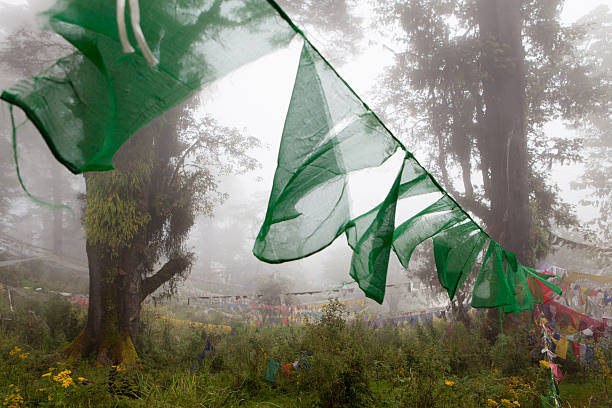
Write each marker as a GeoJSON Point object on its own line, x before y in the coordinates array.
{"type": "Point", "coordinates": [126, 223]}
{"type": "Point", "coordinates": [117, 290]}
{"type": "Point", "coordinates": [113, 312]}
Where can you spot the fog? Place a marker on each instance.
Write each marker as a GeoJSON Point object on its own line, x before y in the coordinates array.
{"type": "Point", "coordinates": [253, 99]}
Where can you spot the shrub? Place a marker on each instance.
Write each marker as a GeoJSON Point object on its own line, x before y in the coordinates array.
{"type": "Point", "coordinates": [467, 350]}
{"type": "Point", "coordinates": [338, 371]}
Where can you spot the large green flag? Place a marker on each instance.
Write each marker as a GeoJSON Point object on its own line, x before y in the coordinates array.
{"type": "Point", "coordinates": [340, 170]}
{"type": "Point", "coordinates": [329, 136]}
{"type": "Point", "coordinates": [89, 103]}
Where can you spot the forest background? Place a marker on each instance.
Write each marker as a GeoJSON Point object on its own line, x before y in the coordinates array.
{"type": "Point", "coordinates": [421, 73]}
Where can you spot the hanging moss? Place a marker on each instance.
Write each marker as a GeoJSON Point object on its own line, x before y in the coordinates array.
{"type": "Point", "coordinates": [114, 213]}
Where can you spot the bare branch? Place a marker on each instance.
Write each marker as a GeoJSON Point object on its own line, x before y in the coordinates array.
{"type": "Point", "coordinates": [171, 268]}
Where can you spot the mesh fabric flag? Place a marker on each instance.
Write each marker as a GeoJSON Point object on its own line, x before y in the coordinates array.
{"type": "Point", "coordinates": [90, 102]}
{"type": "Point", "coordinates": [330, 140]}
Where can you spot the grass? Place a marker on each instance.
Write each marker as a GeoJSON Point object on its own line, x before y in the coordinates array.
{"type": "Point", "coordinates": [351, 365]}
{"type": "Point", "coordinates": [175, 386]}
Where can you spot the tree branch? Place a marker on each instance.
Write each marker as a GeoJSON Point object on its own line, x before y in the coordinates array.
{"type": "Point", "coordinates": [179, 164]}
{"type": "Point", "coordinates": [471, 204]}
{"type": "Point", "coordinates": [170, 269]}
{"type": "Point", "coordinates": [474, 206]}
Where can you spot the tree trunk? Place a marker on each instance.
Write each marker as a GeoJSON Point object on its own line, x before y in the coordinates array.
{"type": "Point", "coordinates": [505, 132]}
{"type": "Point", "coordinates": [115, 296]}
{"type": "Point", "coordinates": [117, 288]}
{"type": "Point", "coordinates": [113, 313]}
{"type": "Point", "coordinates": [505, 125]}
{"type": "Point", "coordinates": [58, 215]}
{"type": "Point", "coordinates": [121, 271]}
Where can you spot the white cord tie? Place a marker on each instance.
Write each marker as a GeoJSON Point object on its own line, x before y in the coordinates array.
{"type": "Point", "coordinates": [136, 29]}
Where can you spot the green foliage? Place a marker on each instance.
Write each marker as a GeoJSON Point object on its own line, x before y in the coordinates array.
{"type": "Point", "coordinates": [421, 379]}
{"type": "Point", "coordinates": [350, 365]}
{"type": "Point", "coordinates": [115, 212]}
{"type": "Point", "coordinates": [162, 342]}
{"type": "Point", "coordinates": [508, 353]}
{"type": "Point", "coordinates": [466, 351]}
{"type": "Point", "coordinates": [111, 218]}
{"type": "Point", "coordinates": [45, 323]}
{"type": "Point", "coordinates": [340, 364]}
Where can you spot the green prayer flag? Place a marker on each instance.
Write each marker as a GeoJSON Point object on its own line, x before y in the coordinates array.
{"type": "Point", "coordinates": [271, 370]}
{"type": "Point", "coordinates": [517, 281]}
{"type": "Point", "coordinates": [373, 247]}
{"type": "Point", "coordinates": [455, 252]}
{"type": "Point", "coordinates": [436, 218]}
{"type": "Point", "coordinates": [491, 289]}
{"type": "Point", "coordinates": [90, 102]}
{"type": "Point", "coordinates": [327, 135]}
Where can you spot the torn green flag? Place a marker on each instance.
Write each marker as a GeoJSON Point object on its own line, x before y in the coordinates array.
{"type": "Point", "coordinates": [90, 102]}
{"type": "Point", "coordinates": [330, 140]}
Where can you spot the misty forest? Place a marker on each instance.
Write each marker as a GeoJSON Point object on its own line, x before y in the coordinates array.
{"type": "Point", "coordinates": [306, 203]}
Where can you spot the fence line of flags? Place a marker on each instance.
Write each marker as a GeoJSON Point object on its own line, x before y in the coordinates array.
{"type": "Point", "coordinates": [568, 327]}
{"type": "Point", "coordinates": [577, 342]}
{"type": "Point", "coordinates": [258, 315]}
{"type": "Point", "coordinates": [585, 299]}
{"type": "Point", "coordinates": [342, 290]}
{"type": "Point", "coordinates": [577, 321]}
{"type": "Point", "coordinates": [77, 299]}
{"type": "Point", "coordinates": [548, 355]}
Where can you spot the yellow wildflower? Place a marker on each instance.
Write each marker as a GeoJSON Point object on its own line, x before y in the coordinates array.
{"type": "Point", "coordinates": [64, 378]}
{"type": "Point", "coordinates": [50, 398]}
{"type": "Point", "coordinates": [41, 389]}
{"type": "Point", "coordinates": [46, 375]}
{"type": "Point", "coordinates": [11, 385]}
{"type": "Point", "coordinates": [14, 400]}
{"type": "Point", "coordinates": [492, 403]}
{"type": "Point", "coordinates": [449, 383]}
{"type": "Point", "coordinates": [506, 402]}
{"type": "Point", "coordinates": [544, 363]}
{"type": "Point", "coordinates": [15, 350]}
{"type": "Point", "coordinates": [516, 403]}
{"type": "Point", "coordinates": [24, 356]}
